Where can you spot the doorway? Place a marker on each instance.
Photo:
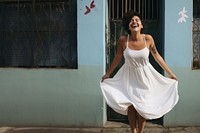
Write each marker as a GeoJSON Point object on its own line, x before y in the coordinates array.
{"type": "Point", "coordinates": [151, 12]}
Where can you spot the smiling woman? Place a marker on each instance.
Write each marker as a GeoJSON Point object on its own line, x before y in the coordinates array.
{"type": "Point", "coordinates": [151, 15]}
{"type": "Point", "coordinates": [138, 90]}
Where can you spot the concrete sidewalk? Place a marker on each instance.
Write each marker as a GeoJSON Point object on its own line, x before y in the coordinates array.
{"type": "Point", "coordinates": [97, 130]}
{"type": "Point", "coordinates": [117, 128]}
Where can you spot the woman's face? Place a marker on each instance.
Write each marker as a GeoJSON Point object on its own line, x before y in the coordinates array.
{"type": "Point", "coordinates": [135, 24]}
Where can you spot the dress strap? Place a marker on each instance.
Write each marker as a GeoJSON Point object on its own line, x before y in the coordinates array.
{"type": "Point", "coordinates": [127, 41]}
{"type": "Point", "coordinates": [145, 42]}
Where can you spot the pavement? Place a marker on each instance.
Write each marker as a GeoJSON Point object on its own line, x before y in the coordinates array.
{"type": "Point", "coordinates": [109, 128]}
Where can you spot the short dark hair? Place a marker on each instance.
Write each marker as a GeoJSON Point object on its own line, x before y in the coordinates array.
{"type": "Point", "coordinates": [127, 18]}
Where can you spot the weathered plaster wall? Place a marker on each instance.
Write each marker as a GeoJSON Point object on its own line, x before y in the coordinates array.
{"type": "Point", "coordinates": [60, 97]}
{"type": "Point", "coordinates": [178, 55]}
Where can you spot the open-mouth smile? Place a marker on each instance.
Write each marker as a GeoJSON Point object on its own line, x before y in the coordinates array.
{"type": "Point", "coordinates": [134, 26]}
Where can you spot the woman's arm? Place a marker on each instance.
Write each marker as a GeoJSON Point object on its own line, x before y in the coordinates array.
{"type": "Point", "coordinates": [117, 58]}
{"type": "Point", "coordinates": [158, 58]}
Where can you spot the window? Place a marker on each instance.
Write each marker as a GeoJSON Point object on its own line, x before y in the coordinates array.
{"type": "Point", "coordinates": [196, 34]}
{"type": "Point", "coordinates": [38, 33]}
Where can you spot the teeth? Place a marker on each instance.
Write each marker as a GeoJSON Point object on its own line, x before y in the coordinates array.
{"type": "Point", "coordinates": [135, 25]}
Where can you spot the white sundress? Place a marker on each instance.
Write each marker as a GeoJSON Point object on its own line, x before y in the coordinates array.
{"type": "Point", "coordinates": [137, 83]}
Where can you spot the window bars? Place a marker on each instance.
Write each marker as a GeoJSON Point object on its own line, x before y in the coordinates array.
{"type": "Point", "coordinates": [38, 33]}
{"type": "Point", "coordinates": [148, 9]}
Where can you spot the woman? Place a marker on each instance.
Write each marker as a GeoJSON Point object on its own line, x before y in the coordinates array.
{"type": "Point", "coordinates": [137, 89]}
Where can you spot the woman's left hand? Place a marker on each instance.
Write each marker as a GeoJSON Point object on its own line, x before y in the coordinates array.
{"type": "Point", "coordinates": [172, 76]}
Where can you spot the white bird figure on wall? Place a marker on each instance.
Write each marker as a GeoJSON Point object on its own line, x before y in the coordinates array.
{"type": "Point", "coordinates": [183, 16]}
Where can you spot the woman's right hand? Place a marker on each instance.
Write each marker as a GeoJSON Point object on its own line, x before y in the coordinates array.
{"type": "Point", "coordinates": [105, 77]}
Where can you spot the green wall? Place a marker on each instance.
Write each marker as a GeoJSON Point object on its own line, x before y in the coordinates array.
{"type": "Point", "coordinates": [178, 55]}
{"type": "Point", "coordinates": [60, 97]}
{"type": "Point", "coordinates": [40, 97]}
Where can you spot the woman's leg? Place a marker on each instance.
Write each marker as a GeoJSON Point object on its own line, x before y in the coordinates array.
{"type": "Point", "coordinates": [132, 118]}
{"type": "Point", "coordinates": [141, 123]}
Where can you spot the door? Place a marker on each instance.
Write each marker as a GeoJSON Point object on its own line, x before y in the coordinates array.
{"type": "Point", "coordinates": [151, 12]}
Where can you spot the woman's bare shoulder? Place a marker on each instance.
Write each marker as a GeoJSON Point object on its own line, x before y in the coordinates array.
{"type": "Point", "coordinates": [122, 41]}
{"type": "Point", "coordinates": [123, 37]}
{"type": "Point", "coordinates": [148, 37]}
{"type": "Point", "coordinates": [149, 40]}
